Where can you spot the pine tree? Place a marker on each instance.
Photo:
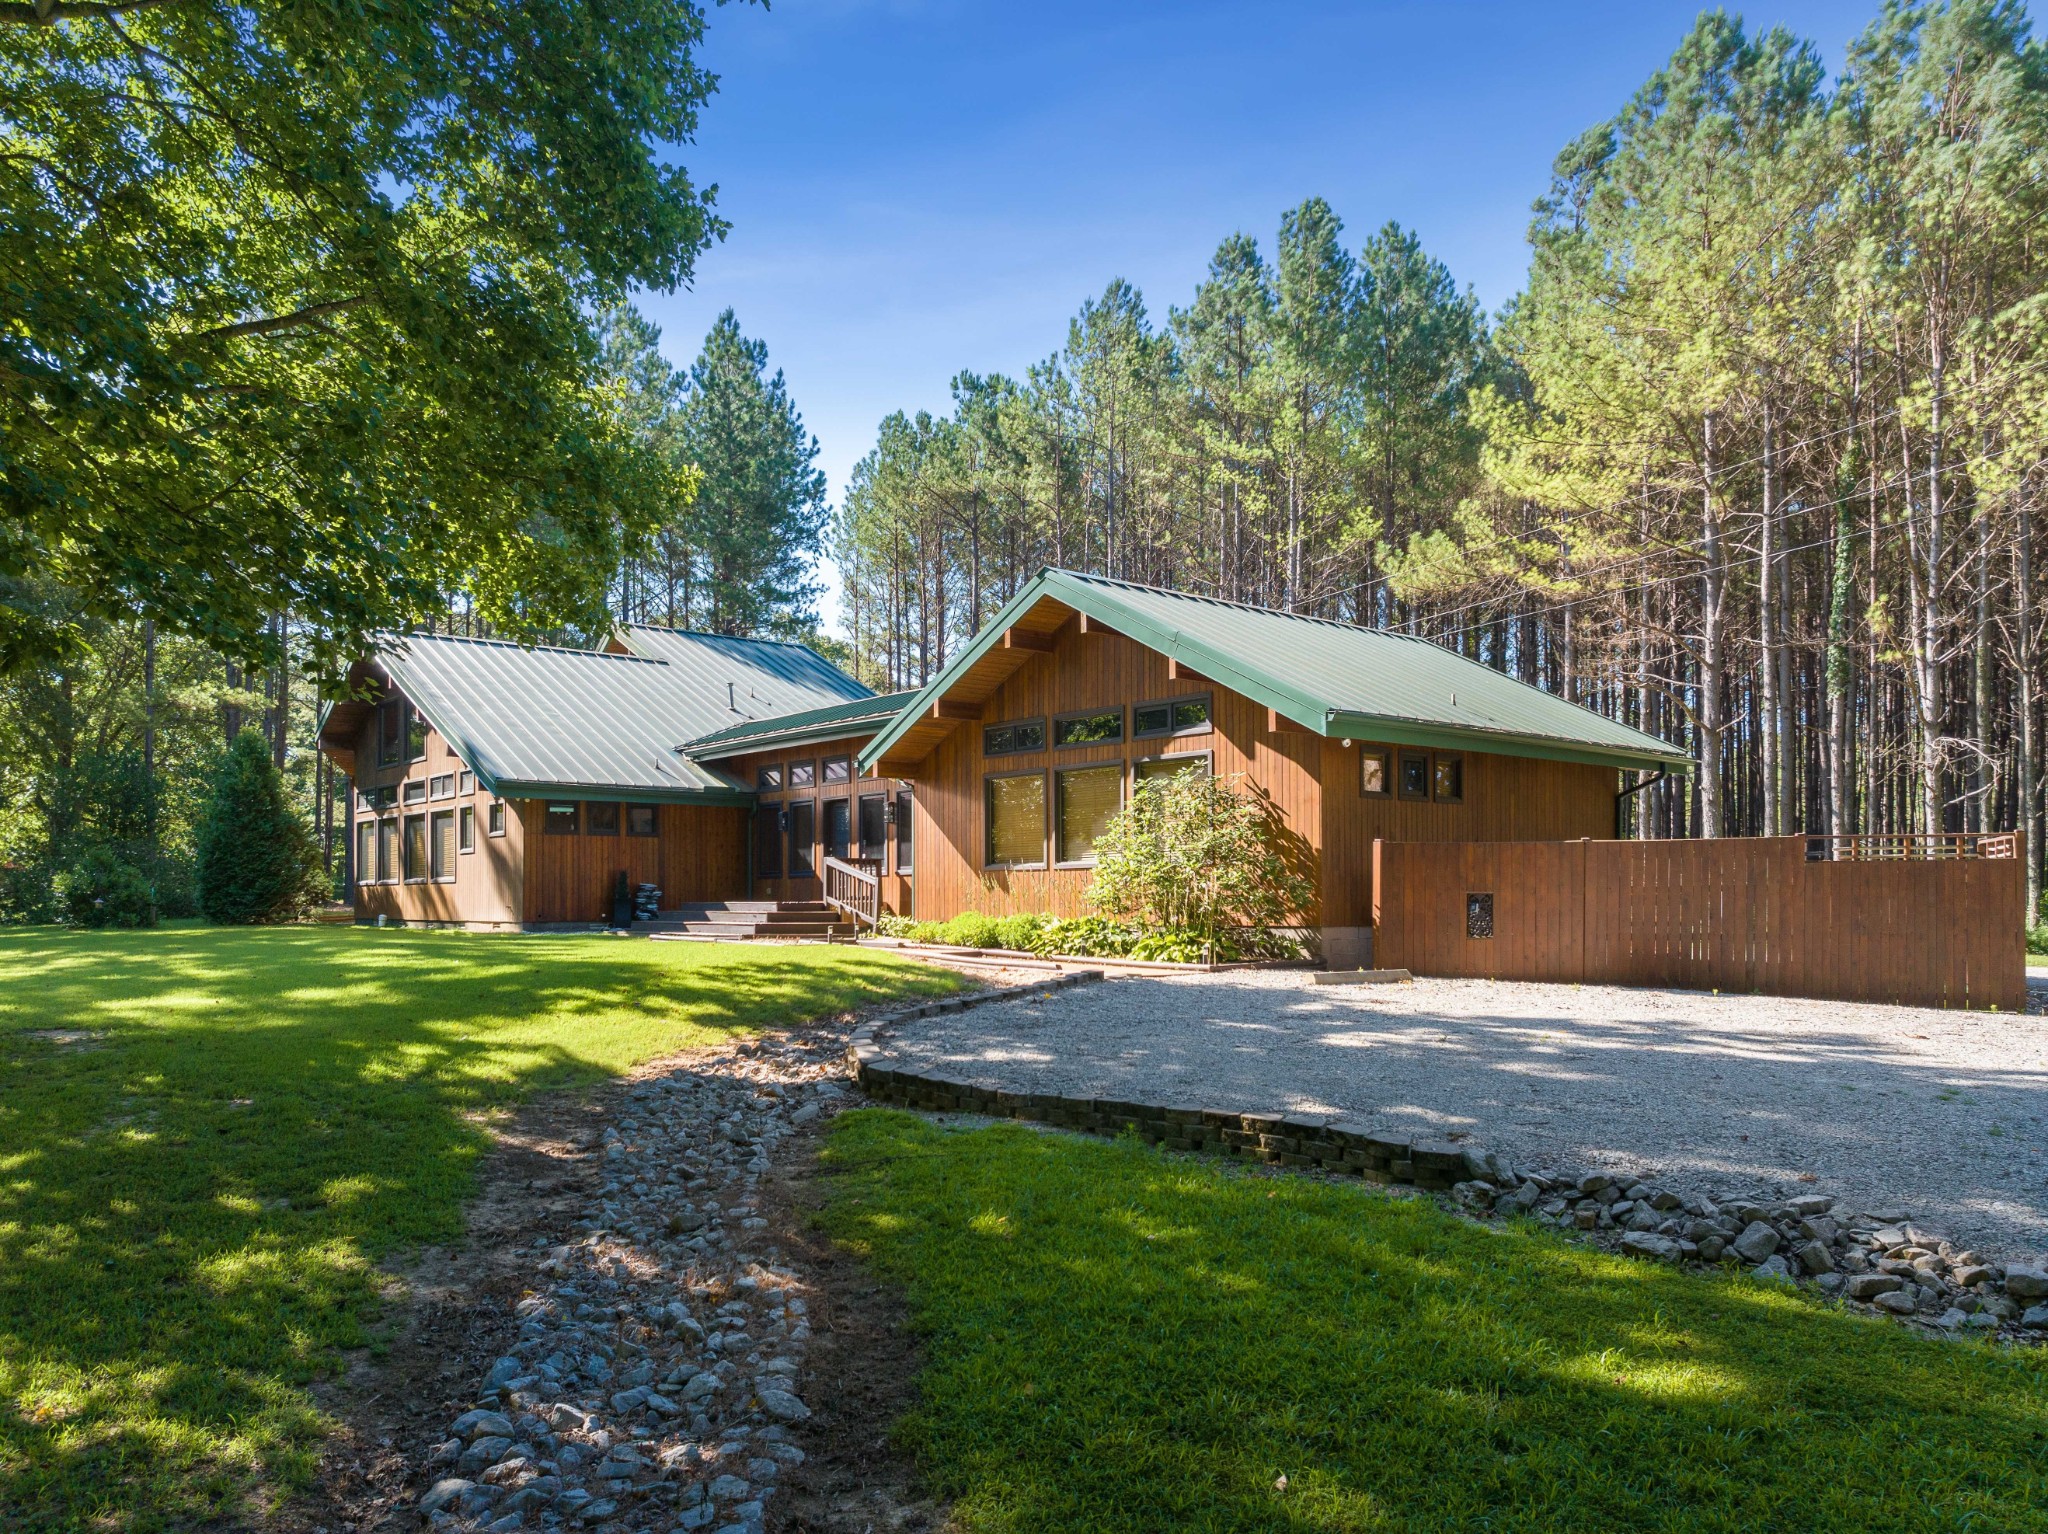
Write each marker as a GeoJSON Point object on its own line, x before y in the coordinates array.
{"type": "Point", "coordinates": [257, 858]}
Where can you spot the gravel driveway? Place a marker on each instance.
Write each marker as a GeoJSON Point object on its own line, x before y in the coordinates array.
{"type": "Point", "coordinates": [1901, 1111]}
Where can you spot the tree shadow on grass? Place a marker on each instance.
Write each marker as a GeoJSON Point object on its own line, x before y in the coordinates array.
{"type": "Point", "coordinates": [200, 1171]}
{"type": "Point", "coordinates": [1123, 1339]}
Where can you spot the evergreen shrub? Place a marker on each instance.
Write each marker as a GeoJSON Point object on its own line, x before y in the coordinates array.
{"type": "Point", "coordinates": [257, 858]}
{"type": "Point", "coordinates": [102, 890]}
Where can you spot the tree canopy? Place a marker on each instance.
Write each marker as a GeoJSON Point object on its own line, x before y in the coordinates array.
{"type": "Point", "coordinates": [297, 309]}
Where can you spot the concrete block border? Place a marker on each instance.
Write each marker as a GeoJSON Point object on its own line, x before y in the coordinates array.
{"type": "Point", "coordinates": [1281, 1139]}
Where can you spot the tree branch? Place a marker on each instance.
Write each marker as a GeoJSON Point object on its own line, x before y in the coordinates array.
{"type": "Point", "coordinates": [47, 13]}
{"type": "Point", "coordinates": [275, 322]}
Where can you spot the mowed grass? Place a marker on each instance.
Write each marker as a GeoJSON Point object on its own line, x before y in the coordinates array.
{"type": "Point", "coordinates": [1119, 1339]}
{"type": "Point", "coordinates": [194, 1194]}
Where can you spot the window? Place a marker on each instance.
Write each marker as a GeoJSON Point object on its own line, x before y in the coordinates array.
{"type": "Point", "coordinates": [1015, 813]}
{"type": "Point", "coordinates": [768, 779]}
{"type": "Point", "coordinates": [415, 849]}
{"type": "Point", "coordinates": [1009, 739]}
{"type": "Point", "coordinates": [1153, 768]}
{"type": "Point", "coordinates": [838, 769]}
{"type": "Point", "coordinates": [563, 819]}
{"type": "Point", "coordinates": [442, 787]}
{"type": "Point", "coordinates": [467, 783]}
{"type": "Point", "coordinates": [387, 851]}
{"type": "Point", "coordinates": [803, 835]}
{"type": "Point", "coordinates": [1374, 775]}
{"type": "Point", "coordinates": [1450, 779]}
{"type": "Point", "coordinates": [415, 735]}
{"type": "Point", "coordinates": [1088, 729]}
{"type": "Point", "coordinates": [1083, 800]}
{"type": "Point", "coordinates": [380, 798]}
{"type": "Point", "coordinates": [903, 831]}
{"type": "Point", "coordinates": [872, 839]}
{"type": "Point", "coordinates": [600, 819]}
{"type": "Point", "coordinates": [768, 841]}
{"type": "Point", "coordinates": [468, 826]}
{"type": "Point", "coordinates": [366, 852]}
{"type": "Point", "coordinates": [803, 774]}
{"type": "Point", "coordinates": [643, 820]}
{"type": "Point", "coordinates": [441, 847]}
{"type": "Point", "coordinates": [494, 818]}
{"type": "Point", "coordinates": [1171, 716]}
{"type": "Point", "coordinates": [415, 791]}
{"type": "Point", "coordinates": [1414, 780]}
{"type": "Point", "coordinates": [838, 829]}
{"type": "Point", "coordinates": [390, 730]}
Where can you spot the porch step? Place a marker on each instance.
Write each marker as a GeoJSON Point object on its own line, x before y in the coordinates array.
{"type": "Point", "coordinates": [749, 918]}
{"type": "Point", "coordinates": [736, 930]}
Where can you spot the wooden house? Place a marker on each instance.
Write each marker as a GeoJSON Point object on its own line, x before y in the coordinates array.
{"type": "Point", "coordinates": [732, 770]}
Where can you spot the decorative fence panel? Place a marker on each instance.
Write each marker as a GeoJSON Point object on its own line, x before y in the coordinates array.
{"type": "Point", "coordinates": [1770, 914]}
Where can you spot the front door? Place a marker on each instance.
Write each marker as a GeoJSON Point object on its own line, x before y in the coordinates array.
{"type": "Point", "coordinates": [838, 828]}
{"type": "Point", "coordinates": [803, 837]}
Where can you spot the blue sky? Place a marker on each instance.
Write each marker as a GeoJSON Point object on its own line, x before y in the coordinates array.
{"type": "Point", "coordinates": [918, 187]}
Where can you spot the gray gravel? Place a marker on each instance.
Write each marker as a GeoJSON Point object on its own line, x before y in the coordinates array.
{"type": "Point", "coordinates": [1903, 1111]}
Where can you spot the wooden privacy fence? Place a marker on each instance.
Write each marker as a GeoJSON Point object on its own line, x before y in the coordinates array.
{"type": "Point", "coordinates": [1770, 914]}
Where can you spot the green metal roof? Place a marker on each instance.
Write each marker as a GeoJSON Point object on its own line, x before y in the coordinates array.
{"type": "Point", "coordinates": [727, 681]}
{"type": "Point", "coordinates": [1335, 679]}
{"type": "Point", "coordinates": [535, 722]}
{"type": "Point", "coordinates": [855, 717]}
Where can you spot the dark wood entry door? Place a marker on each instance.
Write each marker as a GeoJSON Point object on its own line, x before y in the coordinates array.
{"type": "Point", "coordinates": [838, 828]}
{"type": "Point", "coordinates": [803, 837]}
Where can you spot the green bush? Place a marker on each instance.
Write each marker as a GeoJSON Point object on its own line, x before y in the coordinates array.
{"type": "Point", "coordinates": [971, 929]}
{"type": "Point", "coordinates": [100, 890]}
{"type": "Point", "coordinates": [1085, 937]}
{"type": "Point", "coordinates": [897, 926]}
{"type": "Point", "coordinates": [257, 859]}
{"type": "Point", "coordinates": [1019, 932]}
{"type": "Point", "coordinates": [1179, 946]}
{"type": "Point", "coordinates": [27, 892]}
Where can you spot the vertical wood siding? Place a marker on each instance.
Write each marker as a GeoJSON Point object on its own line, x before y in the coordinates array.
{"type": "Point", "coordinates": [1506, 798]}
{"type": "Point", "coordinates": [895, 882]}
{"type": "Point", "coordinates": [701, 854]}
{"type": "Point", "coordinates": [1083, 672]}
{"type": "Point", "coordinates": [1738, 914]}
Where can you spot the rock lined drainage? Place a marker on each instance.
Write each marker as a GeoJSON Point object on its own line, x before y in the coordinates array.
{"type": "Point", "coordinates": [1877, 1260]}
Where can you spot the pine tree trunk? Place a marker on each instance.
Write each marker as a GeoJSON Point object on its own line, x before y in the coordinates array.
{"type": "Point", "coordinates": [1713, 663]}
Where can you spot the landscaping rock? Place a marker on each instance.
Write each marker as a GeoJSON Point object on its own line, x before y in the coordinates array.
{"type": "Point", "coordinates": [1898, 1301]}
{"type": "Point", "coordinates": [442, 1494]}
{"type": "Point", "coordinates": [1868, 1286]}
{"type": "Point", "coordinates": [2035, 1318]}
{"type": "Point", "coordinates": [2026, 1283]}
{"type": "Point", "coordinates": [1757, 1242]}
{"type": "Point", "coordinates": [1646, 1244]}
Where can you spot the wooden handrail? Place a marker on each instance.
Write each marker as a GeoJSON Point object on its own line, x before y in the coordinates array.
{"type": "Point", "coordinates": [854, 885]}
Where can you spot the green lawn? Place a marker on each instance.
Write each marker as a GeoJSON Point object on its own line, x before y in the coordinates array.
{"type": "Point", "coordinates": [192, 1198]}
{"type": "Point", "coordinates": [1120, 1339]}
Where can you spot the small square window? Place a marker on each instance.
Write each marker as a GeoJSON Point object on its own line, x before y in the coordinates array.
{"type": "Point", "coordinates": [415, 791]}
{"type": "Point", "coordinates": [468, 824]}
{"type": "Point", "coordinates": [1414, 780]}
{"type": "Point", "coordinates": [443, 787]}
{"type": "Point", "coordinates": [769, 778]}
{"type": "Point", "coordinates": [601, 819]}
{"type": "Point", "coordinates": [803, 774]}
{"type": "Point", "coordinates": [1375, 778]}
{"type": "Point", "coordinates": [494, 818]}
{"type": "Point", "coordinates": [467, 785]}
{"type": "Point", "coordinates": [838, 769]}
{"type": "Point", "coordinates": [564, 818]}
{"type": "Point", "coordinates": [1450, 779]}
{"type": "Point", "coordinates": [643, 820]}
{"type": "Point", "coordinates": [1479, 915]}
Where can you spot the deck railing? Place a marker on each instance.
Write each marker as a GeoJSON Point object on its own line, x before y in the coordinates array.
{"type": "Point", "coordinates": [854, 885]}
{"type": "Point", "coordinates": [1911, 846]}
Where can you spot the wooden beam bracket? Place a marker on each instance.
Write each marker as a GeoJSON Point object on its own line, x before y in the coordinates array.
{"type": "Point", "coordinates": [1019, 639]}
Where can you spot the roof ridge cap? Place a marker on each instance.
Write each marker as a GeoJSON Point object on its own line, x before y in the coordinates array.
{"type": "Point", "coordinates": [387, 639]}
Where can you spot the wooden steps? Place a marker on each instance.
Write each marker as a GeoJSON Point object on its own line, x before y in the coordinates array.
{"type": "Point", "coordinates": [749, 919]}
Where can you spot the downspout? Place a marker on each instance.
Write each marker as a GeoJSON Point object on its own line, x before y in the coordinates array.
{"type": "Point", "coordinates": [1628, 793]}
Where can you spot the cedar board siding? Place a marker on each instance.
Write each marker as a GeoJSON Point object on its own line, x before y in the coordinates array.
{"type": "Point", "coordinates": [1084, 671]}
{"type": "Point", "coordinates": [701, 854]}
{"type": "Point", "coordinates": [1506, 799]}
{"type": "Point", "coordinates": [486, 892]}
{"type": "Point", "coordinates": [895, 883]}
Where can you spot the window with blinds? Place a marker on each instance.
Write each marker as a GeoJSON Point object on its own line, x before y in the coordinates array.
{"type": "Point", "coordinates": [1015, 816]}
{"type": "Point", "coordinates": [415, 848]}
{"type": "Point", "coordinates": [1155, 768]}
{"type": "Point", "coordinates": [387, 850]}
{"type": "Point", "coordinates": [366, 852]}
{"type": "Point", "coordinates": [1084, 798]}
{"type": "Point", "coordinates": [441, 847]}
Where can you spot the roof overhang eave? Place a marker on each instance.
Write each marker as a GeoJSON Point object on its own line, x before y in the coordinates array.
{"type": "Point", "coordinates": [613, 793]}
{"type": "Point", "coordinates": [711, 751]}
{"type": "Point", "coordinates": [1406, 732]}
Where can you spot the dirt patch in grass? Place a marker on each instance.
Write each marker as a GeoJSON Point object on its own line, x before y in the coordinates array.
{"type": "Point", "coordinates": [860, 1376]}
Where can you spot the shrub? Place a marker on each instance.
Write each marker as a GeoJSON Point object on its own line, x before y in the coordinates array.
{"type": "Point", "coordinates": [100, 890]}
{"type": "Point", "coordinates": [27, 892]}
{"type": "Point", "coordinates": [1019, 932]}
{"type": "Point", "coordinates": [257, 859]}
{"type": "Point", "coordinates": [1182, 947]}
{"type": "Point", "coordinates": [897, 926]}
{"type": "Point", "coordinates": [971, 929]}
{"type": "Point", "coordinates": [1201, 855]}
{"type": "Point", "coordinates": [1085, 937]}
